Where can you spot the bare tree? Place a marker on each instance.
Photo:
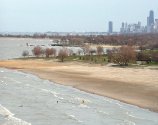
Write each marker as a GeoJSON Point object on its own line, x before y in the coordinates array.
{"type": "Point", "coordinates": [63, 53]}
{"type": "Point", "coordinates": [86, 49]}
{"type": "Point", "coordinates": [50, 52]}
{"type": "Point", "coordinates": [122, 55]}
{"type": "Point", "coordinates": [92, 51]}
{"type": "Point", "coordinates": [142, 56]}
{"type": "Point", "coordinates": [37, 51]}
{"type": "Point", "coordinates": [53, 51]}
{"type": "Point", "coordinates": [110, 54]}
{"type": "Point", "coordinates": [100, 50]}
{"type": "Point", "coordinates": [154, 56]}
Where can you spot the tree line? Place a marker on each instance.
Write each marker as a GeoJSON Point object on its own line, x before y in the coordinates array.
{"type": "Point", "coordinates": [144, 40]}
{"type": "Point", "coordinates": [64, 52]}
{"type": "Point", "coordinates": [123, 55]}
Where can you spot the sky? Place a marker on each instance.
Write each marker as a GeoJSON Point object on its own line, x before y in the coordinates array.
{"type": "Point", "coordinates": [72, 15]}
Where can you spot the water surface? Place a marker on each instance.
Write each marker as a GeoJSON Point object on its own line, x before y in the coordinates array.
{"type": "Point", "coordinates": [13, 47]}
{"type": "Point", "coordinates": [28, 100]}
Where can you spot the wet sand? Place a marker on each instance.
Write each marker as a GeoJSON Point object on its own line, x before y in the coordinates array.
{"type": "Point", "coordinates": [134, 86]}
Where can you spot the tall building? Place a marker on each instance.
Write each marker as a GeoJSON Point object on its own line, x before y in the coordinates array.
{"type": "Point", "coordinates": [132, 28]}
{"type": "Point", "coordinates": [110, 27]}
{"type": "Point", "coordinates": [150, 21]}
{"type": "Point", "coordinates": [151, 17]}
{"type": "Point", "coordinates": [156, 25]}
{"type": "Point", "coordinates": [151, 27]}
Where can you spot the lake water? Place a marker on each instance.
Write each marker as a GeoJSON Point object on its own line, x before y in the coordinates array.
{"type": "Point", "coordinates": [13, 47]}
{"type": "Point", "coordinates": [28, 100]}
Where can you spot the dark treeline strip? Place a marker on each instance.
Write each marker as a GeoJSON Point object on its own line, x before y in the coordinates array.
{"type": "Point", "coordinates": [148, 41]}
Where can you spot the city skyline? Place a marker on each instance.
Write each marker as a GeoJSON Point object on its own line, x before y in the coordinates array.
{"type": "Point", "coordinates": [150, 27]}
{"type": "Point", "coordinates": [70, 16]}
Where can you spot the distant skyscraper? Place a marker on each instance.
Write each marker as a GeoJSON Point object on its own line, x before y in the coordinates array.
{"type": "Point", "coordinates": [156, 25]}
{"type": "Point", "coordinates": [110, 27]}
{"type": "Point", "coordinates": [151, 17]}
{"type": "Point", "coordinates": [150, 21]}
{"type": "Point", "coordinates": [123, 25]}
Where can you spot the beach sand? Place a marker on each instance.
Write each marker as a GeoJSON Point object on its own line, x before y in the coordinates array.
{"type": "Point", "coordinates": [137, 86]}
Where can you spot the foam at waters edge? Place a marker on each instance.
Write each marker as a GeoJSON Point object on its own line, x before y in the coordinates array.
{"type": "Point", "coordinates": [11, 120]}
{"type": "Point", "coordinates": [75, 107]}
{"type": "Point", "coordinates": [5, 112]}
{"type": "Point", "coordinates": [72, 117]}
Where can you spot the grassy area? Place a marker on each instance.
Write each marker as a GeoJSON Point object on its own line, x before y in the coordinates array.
{"type": "Point", "coordinates": [92, 59]}
{"type": "Point", "coordinates": [36, 58]}
{"type": "Point", "coordinates": [89, 59]}
{"type": "Point", "coordinates": [152, 63]}
{"type": "Point", "coordinates": [150, 51]}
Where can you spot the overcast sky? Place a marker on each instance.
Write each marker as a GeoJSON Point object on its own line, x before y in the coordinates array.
{"type": "Point", "coordinates": [72, 15]}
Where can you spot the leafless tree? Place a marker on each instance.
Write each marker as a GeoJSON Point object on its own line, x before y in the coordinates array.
{"type": "Point", "coordinates": [92, 51]}
{"type": "Point", "coordinates": [154, 56]}
{"type": "Point", "coordinates": [100, 50]}
{"type": "Point", "coordinates": [63, 53]}
{"type": "Point", "coordinates": [86, 49]}
{"type": "Point", "coordinates": [53, 51]}
{"type": "Point", "coordinates": [37, 51]}
{"type": "Point", "coordinates": [48, 52]}
{"type": "Point", "coordinates": [122, 55]}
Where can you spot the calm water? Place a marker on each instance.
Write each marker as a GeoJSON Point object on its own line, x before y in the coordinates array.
{"type": "Point", "coordinates": [27, 100]}
{"type": "Point", "coordinates": [13, 47]}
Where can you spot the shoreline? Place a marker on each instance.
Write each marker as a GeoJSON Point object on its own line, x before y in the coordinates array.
{"type": "Point", "coordinates": [101, 80]}
{"type": "Point", "coordinates": [50, 39]}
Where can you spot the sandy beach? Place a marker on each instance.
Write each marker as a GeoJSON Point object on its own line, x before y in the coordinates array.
{"type": "Point", "coordinates": [137, 86]}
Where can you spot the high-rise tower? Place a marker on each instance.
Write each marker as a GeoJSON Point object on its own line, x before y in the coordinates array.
{"type": "Point", "coordinates": [110, 27]}
{"type": "Point", "coordinates": [150, 21]}
{"type": "Point", "coordinates": [151, 17]}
